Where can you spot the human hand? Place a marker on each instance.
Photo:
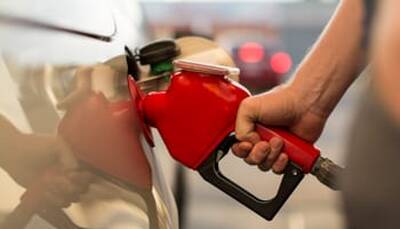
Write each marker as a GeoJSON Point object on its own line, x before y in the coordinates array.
{"type": "Point", "coordinates": [32, 156]}
{"type": "Point", "coordinates": [283, 107]}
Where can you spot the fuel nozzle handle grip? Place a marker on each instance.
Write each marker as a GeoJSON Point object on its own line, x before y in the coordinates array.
{"type": "Point", "coordinates": [304, 155]}
{"type": "Point", "coordinates": [300, 152]}
{"type": "Point", "coordinates": [303, 158]}
{"type": "Point", "coordinates": [266, 208]}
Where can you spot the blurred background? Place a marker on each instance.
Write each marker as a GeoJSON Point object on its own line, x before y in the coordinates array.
{"type": "Point", "coordinates": [267, 40]}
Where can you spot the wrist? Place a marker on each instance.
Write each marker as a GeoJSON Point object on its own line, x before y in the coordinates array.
{"type": "Point", "coordinates": [310, 96]}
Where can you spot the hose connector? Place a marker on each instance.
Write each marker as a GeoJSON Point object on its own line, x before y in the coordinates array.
{"type": "Point", "coordinates": [328, 173]}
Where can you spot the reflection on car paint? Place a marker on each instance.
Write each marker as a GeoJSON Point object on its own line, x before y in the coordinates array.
{"type": "Point", "coordinates": [91, 109]}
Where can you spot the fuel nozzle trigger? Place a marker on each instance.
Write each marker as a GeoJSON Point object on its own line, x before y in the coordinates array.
{"type": "Point", "coordinates": [267, 209]}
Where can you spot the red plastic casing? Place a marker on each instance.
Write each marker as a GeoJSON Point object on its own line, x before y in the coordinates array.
{"type": "Point", "coordinates": [194, 115]}
{"type": "Point", "coordinates": [302, 153]}
{"type": "Point", "coordinates": [198, 111]}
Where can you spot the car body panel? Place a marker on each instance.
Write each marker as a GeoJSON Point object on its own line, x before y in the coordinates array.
{"type": "Point", "coordinates": [42, 68]}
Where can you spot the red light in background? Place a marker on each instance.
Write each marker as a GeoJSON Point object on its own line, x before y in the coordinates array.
{"type": "Point", "coordinates": [281, 62]}
{"type": "Point", "coordinates": [251, 52]}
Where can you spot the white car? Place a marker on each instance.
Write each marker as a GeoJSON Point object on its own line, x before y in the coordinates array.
{"type": "Point", "coordinates": [72, 53]}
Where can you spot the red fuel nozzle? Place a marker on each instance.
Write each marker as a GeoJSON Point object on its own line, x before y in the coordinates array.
{"type": "Point", "coordinates": [196, 119]}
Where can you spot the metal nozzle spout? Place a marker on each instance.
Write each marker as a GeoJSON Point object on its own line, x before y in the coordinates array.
{"type": "Point", "coordinates": [327, 173]}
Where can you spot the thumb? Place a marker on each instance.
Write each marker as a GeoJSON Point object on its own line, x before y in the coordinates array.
{"type": "Point", "coordinates": [274, 108]}
{"type": "Point", "coordinates": [247, 116]}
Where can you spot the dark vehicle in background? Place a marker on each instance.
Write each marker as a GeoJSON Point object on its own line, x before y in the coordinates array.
{"type": "Point", "coordinates": [260, 54]}
{"type": "Point", "coordinates": [262, 66]}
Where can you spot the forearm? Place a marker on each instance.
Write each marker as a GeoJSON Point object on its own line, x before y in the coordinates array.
{"type": "Point", "coordinates": [16, 146]}
{"type": "Point", "coordinates": [334, 61]}
{"type": "Point", "coordinates": [8, 134]}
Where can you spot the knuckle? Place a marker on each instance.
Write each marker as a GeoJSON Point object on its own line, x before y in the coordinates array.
{"type": "Point", "coordinates": [249, 160]}
{"type": "Point", "coordinates": [255, 158]}
{"type": "Point", "coordinates": [277, 169]}
{"type": "Point", "coordinates": [276, 143]}
{"type": "Point", "coordinates": [258, 158]}
{"type": "Point", "coordinates": [265, 146]}
{"type": "Point", "coordinates": [259, 154]}
{"type": "Point", "coordinates": [239, 152]}
{"type": "Point", "coordinates": [278, 172]}
{"type": "Point", "coordinates": [235, 149]}
{"type": "Point", "coordinates": [240, 136]}
{"type": "Point", "coordinates": [273, 157]}
{"type": "Point", "coordinates": [246, 103]}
